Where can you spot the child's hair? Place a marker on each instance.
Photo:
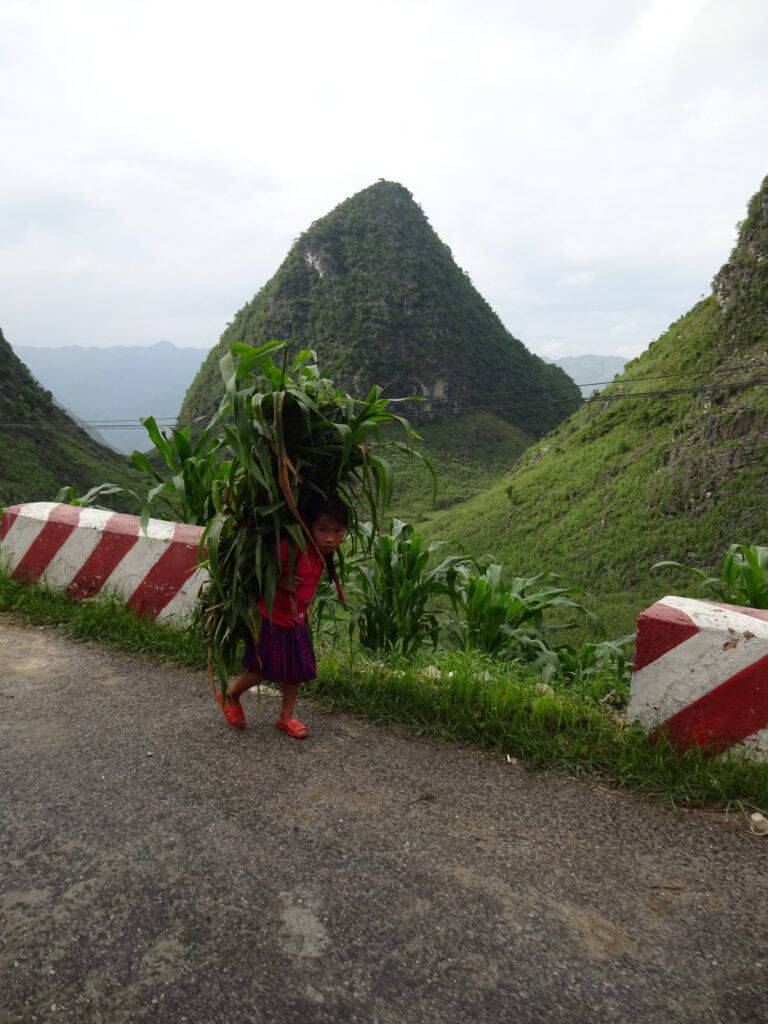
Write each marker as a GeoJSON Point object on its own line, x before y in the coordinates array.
{"type": "Point", "coordinates": [317, 505]}
{"type": "Point", "coordinates": [331, 505]}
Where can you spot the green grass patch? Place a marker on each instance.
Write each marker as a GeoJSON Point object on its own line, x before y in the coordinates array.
{"type": "Point", "coordinates": [506, 709]}
{"type": "Point", "coordinates": [460, 697]}
{"type": "Point", "coordinates": [103, 619]}
{"type": "Point", "coordinates": [469, 454]}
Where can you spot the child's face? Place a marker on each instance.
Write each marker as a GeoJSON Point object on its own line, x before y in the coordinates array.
{"type": "Point", "coordinates": [327, 533]}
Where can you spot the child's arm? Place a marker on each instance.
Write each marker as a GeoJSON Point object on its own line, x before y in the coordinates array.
{"type": "Point", "coordinates": [288, 583]}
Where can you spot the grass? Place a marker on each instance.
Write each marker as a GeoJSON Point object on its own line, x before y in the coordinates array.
{"type": "Point", "coordinates": [507, 710]}
{"type": "Point", "coordinates": [469, 453]}
{"type": "Point", "coordinates": [621, 485]}
{"type": "Point", "coordinates": [465, 698]}
{"type": "Point", "coordinates": [103, 619]}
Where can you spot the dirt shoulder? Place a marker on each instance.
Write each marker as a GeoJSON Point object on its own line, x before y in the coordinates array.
{"type": "Point", "coordinates": [156, 865]}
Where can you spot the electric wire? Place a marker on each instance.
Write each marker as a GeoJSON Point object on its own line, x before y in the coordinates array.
{"type": "Point", "coordinates": [126, 423]}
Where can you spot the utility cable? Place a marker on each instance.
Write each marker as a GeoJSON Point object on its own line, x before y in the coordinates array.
{"type": "Point", "coordinates": [125, 423]}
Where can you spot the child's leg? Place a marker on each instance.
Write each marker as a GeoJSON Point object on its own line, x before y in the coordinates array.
{"type": "Point", "coordinates": [288, 704]}
{"type": "Point", "coordinates": [286, 722]}
{"type": "Point", "coordinates": [244, 681]}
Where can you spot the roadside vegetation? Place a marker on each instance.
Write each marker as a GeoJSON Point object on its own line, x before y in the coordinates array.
{"type": "Point", "coordinates": [519, 691]}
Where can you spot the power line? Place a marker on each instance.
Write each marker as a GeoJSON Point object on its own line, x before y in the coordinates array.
{"type": "Point", "coordinates": [96, 424]}
{"type": "Point", "coordinates": [603, 383]}
{"type": "Point", "coordinates": [130, 423]}
{"type": "Point", "coordinates": [595, 399]}
{"type": "Point", "coordinates": [728, 386]}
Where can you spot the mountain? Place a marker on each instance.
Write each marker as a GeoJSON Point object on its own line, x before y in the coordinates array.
{"type": "Point", "coordinates": [119, 383]}
{"type": "Point", "coordinates": [676, 472]}
{"type": "Point", "coordinates": [591, 373]}
{"type": "Point", "coordinates": [41, 447]}
{"type": "Point", "coordinates": [375, 292]}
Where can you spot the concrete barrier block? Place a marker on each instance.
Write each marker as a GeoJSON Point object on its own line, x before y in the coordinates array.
{"type": "Point", "coordinates": [701, 674]}
{"type": "Point", "coordinates": [86, 552]}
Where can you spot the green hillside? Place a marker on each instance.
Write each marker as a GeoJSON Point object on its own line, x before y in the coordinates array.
{"type": "Point", "coordinates": [468, 453]}
{"type": "Point", "coordinates": [372, 288]}
{"type": "Point", "coordinates": [678, 472]}
{"type": "Point", "coordinates": [41, 448]}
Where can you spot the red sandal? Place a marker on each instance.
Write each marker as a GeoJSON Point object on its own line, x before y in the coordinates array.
{"type": "Point", "coordinates": [294, 728]}
{"type": "Point", "coordinates": [233, 713]}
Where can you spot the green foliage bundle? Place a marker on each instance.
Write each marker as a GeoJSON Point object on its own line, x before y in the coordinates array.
{"type": "Point", "coordinates": [288, 434]}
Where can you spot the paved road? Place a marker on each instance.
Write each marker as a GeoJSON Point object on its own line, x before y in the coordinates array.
{"type": "Point", "coordinates": [157, 866]}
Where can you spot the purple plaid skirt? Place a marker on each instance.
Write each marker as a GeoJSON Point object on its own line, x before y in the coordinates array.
{"type": "Point", "coordinates": [284, 654]}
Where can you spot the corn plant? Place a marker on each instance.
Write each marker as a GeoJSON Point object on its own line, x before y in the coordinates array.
{"type": "Point", "coordinates": [193, 460]}
{"type": "Point", "coordinates": [288, 434]}
{"type": "Point", "coordinates": [393, 593]}
{"type": "Point", "coordinates": [591, 662]}
{"type": "Point", "coordinates": [743, 579]}
{"type": "Point", "coordinates": [68, 496]}
{"type": "Point", "coordinates": [509, 623]}
{"type": "Point", "coordinates": [196, 462]}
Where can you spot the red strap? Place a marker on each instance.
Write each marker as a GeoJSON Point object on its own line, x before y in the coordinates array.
{"type": "Point", "coordinates": [292, 576]}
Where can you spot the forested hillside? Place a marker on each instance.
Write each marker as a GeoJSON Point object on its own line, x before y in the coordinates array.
{"type": "Point", "coordinates": [373, 289]}
{"type": "Point", "coordinates": [41, 448]}
{"type": "Point", "coordinates": [669, 462]}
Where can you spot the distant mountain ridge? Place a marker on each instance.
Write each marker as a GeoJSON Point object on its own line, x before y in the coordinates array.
{"type": "Point", "coordinates": [591, 373]}
{"type": "Point", "coordinates": [676, 470]}
{"type": "Point", "coordinates": [375, 291]}
{"type": "Point", "coordinates": [123, 382]}
{"type": "Point", "coordinates": [41, 447]}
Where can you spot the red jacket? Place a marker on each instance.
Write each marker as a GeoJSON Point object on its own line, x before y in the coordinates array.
{"type": "Point", "coordinates": [290, 609]}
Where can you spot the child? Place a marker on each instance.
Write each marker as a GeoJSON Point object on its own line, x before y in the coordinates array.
{"type": "Point", "coordinates": [284, 652]}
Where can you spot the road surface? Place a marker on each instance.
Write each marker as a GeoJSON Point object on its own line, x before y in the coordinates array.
{"type": "Point", "coordinates": [157, 866]}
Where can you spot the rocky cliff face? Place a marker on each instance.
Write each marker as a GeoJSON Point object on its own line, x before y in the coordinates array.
{"type": "Point", "coordinates": [378, 295]}
{"type": "Point", "coordinates": [741, 286]}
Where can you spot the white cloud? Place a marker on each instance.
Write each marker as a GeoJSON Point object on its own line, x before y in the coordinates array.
{"type": "Point", "coordinates": [579, 278]}
{"type": "Point", "coordinates": [582, 161]}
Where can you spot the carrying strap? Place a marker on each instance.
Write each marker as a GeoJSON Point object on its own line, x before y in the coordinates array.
{"type": "Point", "coordinates": [330, 565]}
{"type": "Point", "coordinates": [292, 576]}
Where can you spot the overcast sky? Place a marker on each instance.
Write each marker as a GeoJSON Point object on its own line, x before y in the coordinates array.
{"type": "Point", "coordinates": [586, 162]}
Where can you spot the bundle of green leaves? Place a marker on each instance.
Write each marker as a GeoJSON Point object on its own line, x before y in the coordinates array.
{"type": "Point", "coordinates": [287, 434]}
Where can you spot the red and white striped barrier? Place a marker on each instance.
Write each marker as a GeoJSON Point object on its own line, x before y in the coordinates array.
{"type": "Point", "coordinates": [86, 551]}
{"type": "Point", "coordinates": [701, 674]}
